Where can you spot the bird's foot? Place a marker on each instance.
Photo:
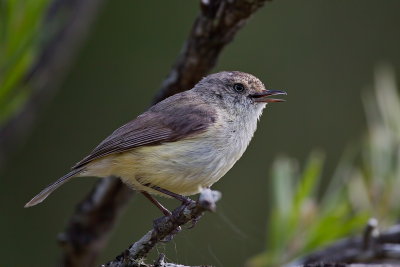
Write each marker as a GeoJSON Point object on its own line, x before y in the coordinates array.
{"type": "Point", "coordinates": [187, 201]}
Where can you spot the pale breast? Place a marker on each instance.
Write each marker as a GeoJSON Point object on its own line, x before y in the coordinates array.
{"type": "Point", "coordinates": [185, 166]}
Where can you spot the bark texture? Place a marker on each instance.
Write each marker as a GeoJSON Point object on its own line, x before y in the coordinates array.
{"type": "Point", "coordinates": [165, 228]}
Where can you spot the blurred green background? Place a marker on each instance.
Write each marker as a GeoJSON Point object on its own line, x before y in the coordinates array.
{"type": "Point", "coordinates": [322, 53]}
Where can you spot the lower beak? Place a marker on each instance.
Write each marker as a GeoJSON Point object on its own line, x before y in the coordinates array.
{"type": "Point", "coordinates": [263, 96]}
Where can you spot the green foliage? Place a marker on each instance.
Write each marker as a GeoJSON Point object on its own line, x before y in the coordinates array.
{"type": "Point", "coordinates": [20, 33]}
{"type": "Point", "coordinates": [379, 174]}
{"type": "Point", "coordinates": [300, 221]}
{"type": "Point", "coordinates": [362, 187]}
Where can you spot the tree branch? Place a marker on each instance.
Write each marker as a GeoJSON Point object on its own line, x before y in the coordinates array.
{"type": "Point", "coordinates": [89, 227]}
{"type": "Point", "coordinates": [161, 263]}
{"type": "Point", "coordinates": [213, 28]}
{"type": "Point", "coordinates": [165, 228]}
{"type": "Point", "coordinates": [371, 247]}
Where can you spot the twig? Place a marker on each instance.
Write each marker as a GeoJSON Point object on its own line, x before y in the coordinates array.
{"type": "Point", "coordinates": [327, 264]}
{"type": "Point", "coordinates": [161, 263]}
{"type": "Point", "coordinates": [213, 28]}
{"type": "Point", "coordinates": [165, 228]}
{"type": "Point", "coordinates": [374, 247]}
{"type": "Point", "coordinates": [370, 232]}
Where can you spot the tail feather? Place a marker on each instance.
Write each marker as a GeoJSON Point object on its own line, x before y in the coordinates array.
{"type": "Point", "coordinates": [50, 188]}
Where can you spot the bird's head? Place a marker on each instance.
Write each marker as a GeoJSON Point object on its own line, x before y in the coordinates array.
{"type": "Point", "coordinates": [238, 91]}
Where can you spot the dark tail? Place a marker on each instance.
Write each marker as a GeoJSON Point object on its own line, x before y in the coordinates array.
{"type": "Point", "coordinates": [50, 188]}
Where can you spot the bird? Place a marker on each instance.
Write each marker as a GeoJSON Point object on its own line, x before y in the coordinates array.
{"type": "Point", "coordinates": [182, 144]}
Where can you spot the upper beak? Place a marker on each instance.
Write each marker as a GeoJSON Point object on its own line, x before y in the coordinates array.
{"type": "Point", "coordinates": [263, 96]}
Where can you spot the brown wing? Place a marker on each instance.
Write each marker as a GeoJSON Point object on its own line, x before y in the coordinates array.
{"type": "Point", "coordinates": [170, 120]}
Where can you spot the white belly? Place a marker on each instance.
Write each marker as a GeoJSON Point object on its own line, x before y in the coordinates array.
{"type": "Point", "coordinates": [182, 167]}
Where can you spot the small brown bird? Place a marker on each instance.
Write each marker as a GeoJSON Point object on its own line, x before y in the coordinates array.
{"type": "Point", "coordinates": [182, 144]}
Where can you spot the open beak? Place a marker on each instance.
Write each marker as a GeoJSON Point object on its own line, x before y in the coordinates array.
{"type": "Point", "coordinates": [263, 96]}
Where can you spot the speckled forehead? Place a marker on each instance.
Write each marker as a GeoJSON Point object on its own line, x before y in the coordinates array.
{"type": "Point", "coordinates": [253, 82]}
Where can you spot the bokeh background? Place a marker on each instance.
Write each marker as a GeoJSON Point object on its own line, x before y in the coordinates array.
{"type": "Point", "coordinates": [323, 53]}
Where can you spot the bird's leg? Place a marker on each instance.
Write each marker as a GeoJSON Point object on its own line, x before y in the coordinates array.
{"type": "Point", "coordinates": [183, 199]}
{"type": "Point", "coordinates": [164, 210]}
{"type": "Point", "coordinates": [160, 222]}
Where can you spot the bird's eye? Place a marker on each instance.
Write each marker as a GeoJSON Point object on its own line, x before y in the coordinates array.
{"type": "Point", "coordinates": [238, 87]}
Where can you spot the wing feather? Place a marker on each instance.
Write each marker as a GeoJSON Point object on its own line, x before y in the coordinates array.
{"type": "Point", "coordinates": [162, 123]}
